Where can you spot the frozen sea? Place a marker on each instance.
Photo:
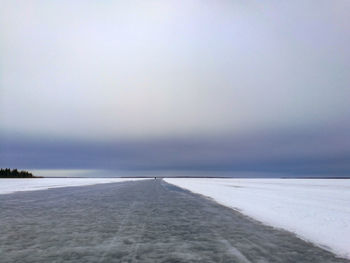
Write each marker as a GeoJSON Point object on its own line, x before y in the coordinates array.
{"type": "Point", "coordinates": [8, 186]}
{"type": "Point", "coordinates": [317, 210]}
{"type": "Point", "coordinates": [139, 221]}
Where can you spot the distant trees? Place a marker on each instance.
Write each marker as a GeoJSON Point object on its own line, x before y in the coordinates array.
{"type": "Point", "coordinates": [8, 173]}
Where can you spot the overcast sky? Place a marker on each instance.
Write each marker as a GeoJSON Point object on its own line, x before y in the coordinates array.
{"type": "Point", "coordinates": [198, 85]}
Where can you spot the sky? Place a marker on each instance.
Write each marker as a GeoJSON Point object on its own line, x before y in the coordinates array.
{"type": "Point", "coordinates": [236, 86]}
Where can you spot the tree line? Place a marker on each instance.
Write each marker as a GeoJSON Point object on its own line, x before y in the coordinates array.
{"type": "Point", "coordinates": [8, 173]}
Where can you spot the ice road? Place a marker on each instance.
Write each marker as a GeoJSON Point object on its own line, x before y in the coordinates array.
{"type": "Point", "coordinates": [140, 221]}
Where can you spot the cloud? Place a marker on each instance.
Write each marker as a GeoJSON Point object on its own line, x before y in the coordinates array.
{"type": "Point", "coordinates": [175, 85]}
{"type": "Point", "coordinates": [320, 152]}
{"type": "Point", "coordinates": [112, 70]}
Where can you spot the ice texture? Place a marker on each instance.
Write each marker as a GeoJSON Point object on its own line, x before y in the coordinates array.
{"type": "Point", "coordinates": [145, 221]}
{"type": "Point", "coordinates": [317, 210]}
{"type": "Point", "coordinates": [12, 185]}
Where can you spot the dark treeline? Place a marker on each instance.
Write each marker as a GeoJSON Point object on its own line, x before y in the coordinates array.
{"type": "Point", "coordinates": [8, 173]}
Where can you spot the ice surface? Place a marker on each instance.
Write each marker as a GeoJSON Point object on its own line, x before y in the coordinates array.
{"type": "Point", "coordinates": [317, 210]}
{"type": "Point", "coordinates": [147, 221]}
{"type": "Point", "coordinates": [8, 186]}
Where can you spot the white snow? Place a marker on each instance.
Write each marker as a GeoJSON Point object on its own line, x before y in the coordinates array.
{"type": "Point", "coordinates": [8, 186]}
{"type": "Point", "coordinates": [317, 210]}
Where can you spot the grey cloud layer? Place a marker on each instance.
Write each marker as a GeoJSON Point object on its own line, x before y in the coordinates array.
{"type": "Point", "coordinates": [117, 69]}
{"type": "Point", "coordinates": [176, 85]}
{"type": "Point", "coordinates": [321, 152]}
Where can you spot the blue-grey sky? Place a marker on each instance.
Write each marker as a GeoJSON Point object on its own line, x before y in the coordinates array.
{"type": "Point", "coordinates": [259, 86]}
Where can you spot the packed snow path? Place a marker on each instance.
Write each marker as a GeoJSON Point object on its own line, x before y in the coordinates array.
{"type": "Point", "coordinates": [142, 221]}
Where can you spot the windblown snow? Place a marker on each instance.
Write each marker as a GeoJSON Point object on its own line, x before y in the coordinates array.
{"type": "Point", "coordinates": [8, 186]}
{"type": "Point", "coordinates": [317, 210]}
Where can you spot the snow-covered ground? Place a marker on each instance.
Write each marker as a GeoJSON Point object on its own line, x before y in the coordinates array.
{"type": "Point", "coordinates": [317, 210]}
{"type": "Point", "coordinates": [8, 186]}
